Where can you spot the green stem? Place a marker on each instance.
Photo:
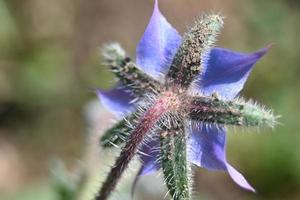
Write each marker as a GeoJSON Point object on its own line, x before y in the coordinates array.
{"type": "Point", "coordinates": [147, 121]}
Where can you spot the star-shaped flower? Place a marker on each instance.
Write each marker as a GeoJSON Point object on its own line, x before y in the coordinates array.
{"type": "Point", "coordinates": [175, 102]}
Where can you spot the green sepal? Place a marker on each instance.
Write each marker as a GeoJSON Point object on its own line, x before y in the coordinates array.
{"type": "Point", "coordinates": [116, 135]}
{"type": "Point", "coordinates": [196, 43]}
{"type": "Point", "coordinates": [236, 112]}
{"type": "Point", "coordinates": [174, 163]}
{"type": "Point", "coordinates": [128, 73]}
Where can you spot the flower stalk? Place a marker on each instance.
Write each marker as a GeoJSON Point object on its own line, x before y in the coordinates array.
{"type": "Point", "coordinates": [148, 120]}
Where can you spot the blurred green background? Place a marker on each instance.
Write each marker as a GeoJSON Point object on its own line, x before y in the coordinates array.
{"type": "Point", "coordinates": [49, 64]}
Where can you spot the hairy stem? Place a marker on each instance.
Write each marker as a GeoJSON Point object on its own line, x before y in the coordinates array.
{"type": "Point", "coordinates": [149, 119]}
{"type": "Point", "coordinates": [175, 166]}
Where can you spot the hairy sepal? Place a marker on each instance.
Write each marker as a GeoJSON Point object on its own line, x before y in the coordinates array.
{"type": "Point", "coordinates": [128, 72]}
{"type": "Point", "coordinates": [176, 168]}
{"type": "Point", "coordinates": [117, 134]}
{"type": "Point", "coordinates": [236, 112]}
{"type": "Point", "coordinates": [189, 59]}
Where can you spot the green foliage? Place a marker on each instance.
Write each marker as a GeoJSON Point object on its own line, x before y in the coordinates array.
{"type": "Point", "coordinates": [64, 187]}
{"type": "Point", "coordinates": [67, 186]}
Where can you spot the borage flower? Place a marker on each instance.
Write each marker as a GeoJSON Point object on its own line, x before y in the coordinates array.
{"type": "Point", "coordinates": [175, 101]}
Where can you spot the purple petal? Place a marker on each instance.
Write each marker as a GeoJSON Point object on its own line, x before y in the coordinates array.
{"type": "Point", "coordinates": [226, 71]}
{"type": "Point", "coordinates": [207, 149]}
{"type": "Point", "coordinates": [116, 100]}
{"type": "Point", "coordinates": [238, 178]}
{"type": "Point", "coordinates": [158, 45]}
{"type": "Point", "coordinates": [149, 153]}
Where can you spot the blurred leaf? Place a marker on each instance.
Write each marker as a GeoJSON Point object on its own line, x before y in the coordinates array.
{"type": "Point", "coordinates": [8, 30]}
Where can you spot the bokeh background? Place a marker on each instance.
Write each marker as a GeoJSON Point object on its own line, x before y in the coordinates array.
{"type": "Point", "coordinates": [50, 119]}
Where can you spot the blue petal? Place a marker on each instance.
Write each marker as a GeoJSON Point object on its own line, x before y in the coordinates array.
{"type": "Point", "coordinates": [158, 45]}
{"type": "Point", "coordinates": [149, 153]}
{"type": "Point", "coordinates": [117, 100]}
{"type": "Point", "coordinates": [207, 149]}
{"type": "Point", "coordinates": [226, 71]}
